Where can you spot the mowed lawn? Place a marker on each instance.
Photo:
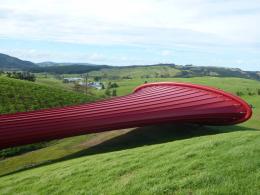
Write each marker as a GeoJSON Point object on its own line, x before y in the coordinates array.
{"type": "Point", "coordinates": [222, 160]}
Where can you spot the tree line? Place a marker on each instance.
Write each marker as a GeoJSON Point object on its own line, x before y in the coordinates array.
{"type": "Point", "coordinates": [21, 75]}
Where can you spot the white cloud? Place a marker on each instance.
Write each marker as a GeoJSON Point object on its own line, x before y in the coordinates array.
{"type": "Point", "coordinates": [163, 26]}
{"type": "Point", "coordinates": [132, 21]}
{"type": "Point", "coordinates": [166, 53]}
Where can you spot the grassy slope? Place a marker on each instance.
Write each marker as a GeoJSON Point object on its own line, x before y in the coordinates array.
{"type": "Point", "coordinates": [17, 95]}
{"type": "Point", "coordinates": [136, 72]}
{"type": "Point", "coordinates": [216, 164]}
{"type": "Point", "coordinates": [55, 83]}
{"type": "Point", "coordinates": [209, 164]}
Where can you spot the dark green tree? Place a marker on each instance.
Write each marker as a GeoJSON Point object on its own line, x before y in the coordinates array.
{"type": "Point", "coordinates": [114, 92]}
{"type": "Point", "coordinates": [102, 86]}
{"type": "Point", "coordinates": [114, 85]}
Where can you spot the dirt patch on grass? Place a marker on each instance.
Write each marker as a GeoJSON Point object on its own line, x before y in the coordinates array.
{"type": "Point", "coordinates": [102, 137]}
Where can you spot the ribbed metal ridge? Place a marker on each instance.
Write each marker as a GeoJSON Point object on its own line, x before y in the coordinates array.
{"type": "Point", "coordinates": [149, 104]}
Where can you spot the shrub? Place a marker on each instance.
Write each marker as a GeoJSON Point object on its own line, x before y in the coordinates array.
{"type": "Point", "coordinates": [21, 149]}
{"type": "Point", "coordinates": [114, 85]}
{"type": "Point", "coordinates": [239, 93]}
{"type": "Point", "coordinates": [251, 93]}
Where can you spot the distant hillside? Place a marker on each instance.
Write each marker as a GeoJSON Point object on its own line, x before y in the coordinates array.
{"type": "Point", "coordinates": [44, 64]}
{"type": "Point", "coordinates": [140, 71]}
{"type": "Point", "coordinates": [191, 71]}
{"type": "Point", "coordinates": [128, 72]}
{"type": "Point", "coordinates": [68, 69]}
{"type": "Point", "coordinates": [11, 63]}
{"type": "Point", "coordinates": [145, 71]}
{"type": "Point", "coordinates": [172, 70]}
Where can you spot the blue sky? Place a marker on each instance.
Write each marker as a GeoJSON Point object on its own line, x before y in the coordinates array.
{"type": "Point", "coordinates": [126, 32]}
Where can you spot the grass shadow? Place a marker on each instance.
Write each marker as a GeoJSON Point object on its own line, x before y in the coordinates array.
{"type": "Point", "coordinates": [142, 136]}
{"type": "Point", "coordinates": [150, 135]}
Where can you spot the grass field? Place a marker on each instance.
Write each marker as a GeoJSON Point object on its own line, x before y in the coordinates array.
{"type": "Point", "coordinates": [221, 164]}
{"type": "Point", "coordinates": [137, 72]}
{"type": "Point", "coordinates": [162, 159]}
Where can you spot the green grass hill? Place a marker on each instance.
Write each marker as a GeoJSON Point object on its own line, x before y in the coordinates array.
{"type": "Point", "coordinates": [18, 96]}
{"type": "Point", "coordinates": [164, 159]}
{"type": "Point", "coordinates": [226, 163]}
{"type": "Point", "coordinates": [137, 72]}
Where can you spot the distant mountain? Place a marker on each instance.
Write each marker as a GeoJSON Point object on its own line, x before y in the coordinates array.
{"type": "Point", "coordinates": [68, 69]}
{"type": "Point", "coordinates": [141, 71]}
{"type": "Point", "coordinates": [44, 64]}
{"type": "Point", "coordinates": [11, 63]}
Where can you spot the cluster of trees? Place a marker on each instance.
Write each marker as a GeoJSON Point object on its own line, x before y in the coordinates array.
{"type": "Point", "coordinates": [111, 89]}
{"type": "Point", "coordinates": [21, 75]}
{"type": "Point", "coordinates": [248, 92]}
{"type": "Point", "coordinates": [127, 77]}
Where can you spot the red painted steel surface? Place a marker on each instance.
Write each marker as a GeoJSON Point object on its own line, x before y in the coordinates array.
{"type": "Point", "coordinates": [152, 103]}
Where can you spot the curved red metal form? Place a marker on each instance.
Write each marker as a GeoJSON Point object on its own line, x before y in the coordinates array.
{"type": "Point", "coordinates": [149, 104]}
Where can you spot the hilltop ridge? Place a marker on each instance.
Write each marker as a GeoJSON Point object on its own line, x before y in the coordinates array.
{"type": "Point", "coordinates": [168, 70]}
{"type": "Point", "coordinates": [8, 62]}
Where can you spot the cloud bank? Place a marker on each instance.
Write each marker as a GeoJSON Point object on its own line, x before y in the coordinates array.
{"type": "Point", "coordinates": [205, 32]}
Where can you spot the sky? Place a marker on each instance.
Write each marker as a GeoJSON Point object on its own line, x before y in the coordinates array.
{"type": "Point", "coordinates": [133, 32]}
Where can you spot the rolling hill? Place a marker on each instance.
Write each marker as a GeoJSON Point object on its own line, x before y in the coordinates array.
{"type": "Point", "coordinates": [210, 164]}
{"type": "Point", "coordinates": [163, 159]}
{"type": "Point", "coordinates": [11, 63]}
{"type": "Point", "coordinates": [140, 71]}
{"type": "Point", "coordinates": [20, 96]}
{"type": "Point", "coordinates": [44, 64]}
{"type": "Point", "coordinates": [172, 70]}
{"type": "Point", "coordinates": [67, 69]}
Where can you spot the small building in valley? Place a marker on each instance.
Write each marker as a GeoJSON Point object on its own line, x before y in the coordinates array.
{"type": "Point", "coordinates": [72, 80]}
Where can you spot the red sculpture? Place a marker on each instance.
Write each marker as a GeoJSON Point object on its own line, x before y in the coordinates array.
{"type": "Point", "coordinates": [149, 104]}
